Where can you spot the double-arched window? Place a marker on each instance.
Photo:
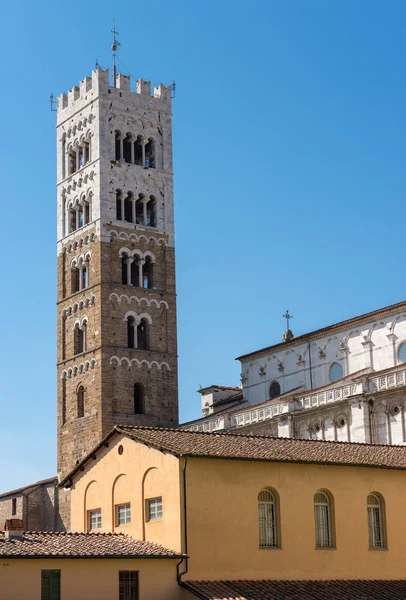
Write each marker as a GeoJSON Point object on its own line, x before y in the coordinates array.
{"type": "Point", "coordinates": [268, 519]}
{"type": "Point", "coordinates": [323, 519]}
{"type": "Point", "coordinates": [137, 270]}
{"type": "Point", "coordinates": [376, 521]}
{"type": "Point", "coordinates": [137, 332]}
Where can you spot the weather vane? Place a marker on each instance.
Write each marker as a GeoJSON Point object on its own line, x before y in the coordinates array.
{"type": "Point", "coordinates": [287, 316]}
{"type": "Point", "coordinates": [114, 47]}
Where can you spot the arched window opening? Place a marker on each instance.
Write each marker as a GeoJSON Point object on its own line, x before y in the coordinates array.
{"type": "Point", "coordinates": [86, 152]}
{"type": "Point", "coordinates": [75, 278]}
{"type": "Point", "coordinates": [80, 401]}
{"type": "Point", "coordinates": [323, 520]}
{"type": "Point", "coordinates": [118, 145]}
{"type": "Point", "coordinates": [267, 519]}
{"type": "Point", "coordinates": [63, 416]}
{"type": "Point", "coordinates": [63, 150]}
{"type": "Point", "coordinates": [86, 213]}
{"type": "Point", "coordinates": [72, 220]}
{"type": "Point", "coordinates": [142, 335]}
{"type": "Point", "coordinates": [376, 525]}
{"type": "Point", "coordinates": [79, 214]}
{"type": "Point", "coordinates": [80, 338]}
{"type": "Point", "coordinates": [128, 208]}
{"type": "Point", "coordinates": [72, 162]}
{"type": "Point", "coordinates": [126, 280]}
{"type": "Point", "coordinates": [119, 214]}
{"type": "Point", "coordinates": [135, 272]}
{"type": "Point", "coordinates": [127, 151]}
{"type": "Point", "coordinates": [84, 276]}
{"type": "Point", "coordinates": [131, 332]}
{"type": "Point", "coordinates": [139, 210]}
{"type": "Point", "coordinates": [150, 154]}
{"type": "Point", "coordinates": [81, 157]}
{"type": "Point", "coordinates": [274, 390]}
{"type": "Point", "coordinates": [138, 150]}
{"type": "Point", "coordinates": [151, 212]}
{"type": "Point", "coordinates": [147, 273]}
{"type": "Point", "coordinates": [138, 399]}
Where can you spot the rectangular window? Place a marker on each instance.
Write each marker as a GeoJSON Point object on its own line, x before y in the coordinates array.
{"type": "Point", "coordinates": [154, 509]}
{"type": "Point", "coordinates": [51, 585]}
{"type": "Point", "coordinates": [95, 519]}
{"type": "Point", "coordinates": [123, 514]}
{"type": "Point", "coordinates": [14, 506]}
{"type": "Point", "coordinates": [128, 585]}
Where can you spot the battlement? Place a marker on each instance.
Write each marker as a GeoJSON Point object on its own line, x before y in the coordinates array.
{"type": "Point", "coordinates": [98, 84]}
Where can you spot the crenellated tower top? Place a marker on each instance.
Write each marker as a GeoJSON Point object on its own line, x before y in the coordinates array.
{"type": "Point", "coordinates": [91, 88]}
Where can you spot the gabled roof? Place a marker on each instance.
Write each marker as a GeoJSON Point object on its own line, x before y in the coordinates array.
{"type": "Point", "coordinates": [32, 485]}
{"type": "Point", "coordinates": [298, 590]}
{"type": "Point", "coordinates": [185, 443]}
{"type": "Point", "coordinates": [81, 545]}
{"type": "Point", "coordinates": [318, 332]}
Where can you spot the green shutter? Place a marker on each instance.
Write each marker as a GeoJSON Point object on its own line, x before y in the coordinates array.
{"type": "Point", "coordinates": [51, 585]}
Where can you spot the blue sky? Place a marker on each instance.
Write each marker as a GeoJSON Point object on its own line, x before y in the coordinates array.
{"type": "Point", "coordinates": [289, 158]}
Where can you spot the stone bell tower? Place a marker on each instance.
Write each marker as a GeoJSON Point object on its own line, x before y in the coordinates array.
{"type": "Point", "coordinates": [117, 346]}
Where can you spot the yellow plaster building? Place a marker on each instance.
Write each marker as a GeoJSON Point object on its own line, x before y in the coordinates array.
{"type": "Point", "coordinates": [246, 517]}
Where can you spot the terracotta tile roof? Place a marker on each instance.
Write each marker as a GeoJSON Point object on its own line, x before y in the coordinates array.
{"type": "Point", "coordinates": [31, 485]}
{"type": "Point", "coordinates": [298, 590]}
{"type": "Point", "coordinates": [317, 332]}
{"type": "Point", "coordinates": [81, 545]}
{"type": "Point", "coordinates": [182, 442]}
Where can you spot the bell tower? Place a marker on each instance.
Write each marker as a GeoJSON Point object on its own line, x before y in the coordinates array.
{"type": "Point", "coordinates": [117, 343]}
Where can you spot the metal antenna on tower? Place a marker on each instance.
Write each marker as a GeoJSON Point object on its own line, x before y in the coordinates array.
{"type": "Point", "coordinates": [114, 47]}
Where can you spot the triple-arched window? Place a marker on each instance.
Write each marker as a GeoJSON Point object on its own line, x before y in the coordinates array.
{"type": "Point", "coordinates": [268, 519]}
{"type": "Point", "coordinates": [376, 521]}
{"type": "Point", "coordinates": [140, 210]}
{"type": "Point", "coordinates": [323, 519]}
{"type": "Point", "coordinates": [135, 149]}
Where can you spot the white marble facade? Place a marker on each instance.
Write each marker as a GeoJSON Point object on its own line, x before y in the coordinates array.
{"type": "Point", "coordinates": [345, 382]}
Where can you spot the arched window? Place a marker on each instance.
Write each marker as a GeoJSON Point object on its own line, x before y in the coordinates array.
{"type": "Point", "coordinates": [75, 280]}
{"type": "Point", "coordinates": [63, 401]}
{"type": "Point", "coordinates": [131, 332]}
{"type": "Point", "coordinates": [376, 521]}
{"type": "Point", "coordinates": [267, 519]}
{"type": "Point", "coordinates": [150, 154]}
{"type": "Point", "coordinates": [118, 145]}
{"type": "Point", "coordinates": [125, 270]}
{"type": "Point", "coordinates": [151, 212]}
{"type": "Point", "coordinates": [80, 338]}
{"type": "Point", "coordinates": [336, 371]}
{"type": "Point", "coordinates": [274, 390]}
{"type": "Point", "coordinates": [119, 210]}
{"type": "Point", "coordinates": [80, 398]}
{"type": "Point", "coordinates": [128, 208]}
{"type": "Point", "coordinates": [127, 152]}
{"type": "Point", "coordinates": [138, 150]}
{"type": "Point", "coordinates": [138, 399]}
{"type": "Point", "coordinates": [147, 273]}
{"type": "Point", "coordinates": [139, 210]}
{"type": "Point", "coordinates": [323, 520]}
{"type": "Point", "coordinates": [142, 335]}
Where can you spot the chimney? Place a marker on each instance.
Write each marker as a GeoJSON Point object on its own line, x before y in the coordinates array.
{"type": "Point", "coordinates": [14, 529]}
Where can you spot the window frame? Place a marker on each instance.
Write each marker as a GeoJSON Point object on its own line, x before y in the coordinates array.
{"type": "Point", "coordinates": [331, 545]}
{"type": "Point", "coordinates": [149, 517]}
{"type": "Point", "coordinates": [89, 519]}
{"type": "Point", "coordinates": [53, 591]}
{"type": "Point", "coordinates": [382, 522]}
{"type": "Point", "coordinates": [13, 506]}
{"type": "Point", "coordinates": [132, 583]}
{"type": "Point", "coordinates": [127, 514]}
{"type": "Point", "coordinates": [274, 532]}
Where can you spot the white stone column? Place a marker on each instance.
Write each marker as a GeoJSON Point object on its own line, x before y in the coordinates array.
{"type": "Point", "coordinates": [132, 151]}
{"type": "Point", "coordinates": [77, 158]}
{"type": "Point", "coordinates": [122, 208]}
{"type": "Point", "coordinates": [144, 207]}
{"type": "Point", "coordinates": [81, 277]}
{"type": "Point", "coordinates": [121, 148]}
{"type": "Point", "coordinates": [143, 153]}
{"type": "Point", "coordinates": [77, 217]}
{"type": "Point", "coordinates": [141, 263]}
{"type": "Point", "coordinates": [133, 201]}
{"type": "Point", "coordinates": [129, 263]}
{"type": "Point", "coordinates": [84, 331]}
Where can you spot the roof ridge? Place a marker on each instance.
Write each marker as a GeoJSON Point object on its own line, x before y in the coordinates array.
{"type": "Point", "coordinates": [253, 436]}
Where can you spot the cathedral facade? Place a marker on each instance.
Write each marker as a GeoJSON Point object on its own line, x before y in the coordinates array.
{"type": "Point", "coordinates": [345, 382]}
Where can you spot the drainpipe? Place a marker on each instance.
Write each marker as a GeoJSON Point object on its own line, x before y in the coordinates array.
{"type": "Point", "coordinates": [185, 544]}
